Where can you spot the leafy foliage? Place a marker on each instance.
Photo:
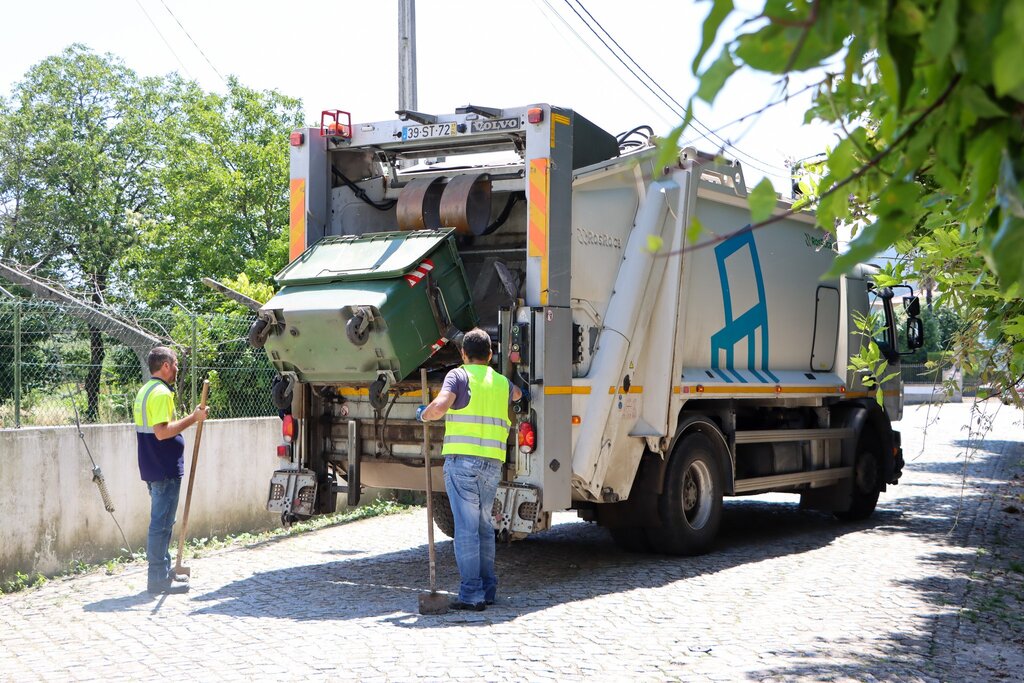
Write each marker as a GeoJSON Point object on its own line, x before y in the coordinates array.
{"type": "Point", "coordinates": [929, 98]}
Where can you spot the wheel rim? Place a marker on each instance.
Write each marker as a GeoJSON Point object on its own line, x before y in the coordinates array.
{"type": "Point", "coordinates": [697, 494]}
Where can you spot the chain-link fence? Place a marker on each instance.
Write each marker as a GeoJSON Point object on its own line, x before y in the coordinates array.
{"type": "Point", "coordinates": [53, 363]}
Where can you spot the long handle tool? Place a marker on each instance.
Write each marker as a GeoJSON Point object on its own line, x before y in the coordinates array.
{"type": "Point", "coordinates": [432, 602]}
{"type": "Point", "coordinates": [178, 567]}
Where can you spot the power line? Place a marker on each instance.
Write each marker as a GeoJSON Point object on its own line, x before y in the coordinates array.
{"type": "Point", "coordinates": [155, 28]}
{"type": "Point", "coordinates": [193, 41]}
{"type": "Point", "coordinates": [598, 57]}
{"type": "Point", "coordinates": [678, 109]}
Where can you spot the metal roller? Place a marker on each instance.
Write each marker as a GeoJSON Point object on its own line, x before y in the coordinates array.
{"type": "Point", "coordinates": [419, 204]}
{"type": "Point", "coordinates": [466, 203]}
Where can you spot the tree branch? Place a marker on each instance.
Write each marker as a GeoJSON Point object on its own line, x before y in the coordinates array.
{"type": "Point", "coordinates": [867, 166]}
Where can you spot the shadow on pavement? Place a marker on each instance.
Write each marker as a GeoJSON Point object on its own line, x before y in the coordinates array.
{"type": "Point", "coordinates": [121, 604]}
{"type": "Point", "coordinates": [977, 629]}
{"type": "Point", "coordinates": [570, 562]}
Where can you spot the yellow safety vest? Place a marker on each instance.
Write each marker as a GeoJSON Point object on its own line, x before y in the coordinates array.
{"type": "Point", "coordinates": [153, 404]}
{"type": "Point", "coordinates": [481, 428]}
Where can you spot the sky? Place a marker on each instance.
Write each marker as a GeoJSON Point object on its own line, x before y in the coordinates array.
{"type": "Point", "coordinates": [499, 53]}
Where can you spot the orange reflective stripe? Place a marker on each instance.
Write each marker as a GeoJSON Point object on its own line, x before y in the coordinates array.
{"type": "Point", "coordinates": [297, 218]}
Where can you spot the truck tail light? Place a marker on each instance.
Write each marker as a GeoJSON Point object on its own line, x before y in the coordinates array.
{"type": "Point", "coordinates": [527, 437]}
{"type": "Point", "coordinates": [288, 428]}
{"type": "Point", "coordinates": [534, 114]}
{"type": "Point", "coordinates": [284, 451]}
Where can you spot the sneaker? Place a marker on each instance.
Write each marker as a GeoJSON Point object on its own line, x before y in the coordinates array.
{"type": "Point", "coordinates": [468, 606]}
{"type": "Point", "coordinates": [180, 578]}
{"type": "Point", "coordinates": [167, 589]}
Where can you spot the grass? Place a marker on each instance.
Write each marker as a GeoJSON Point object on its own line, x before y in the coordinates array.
{"type": "Point", "coordinates": [196, 547]}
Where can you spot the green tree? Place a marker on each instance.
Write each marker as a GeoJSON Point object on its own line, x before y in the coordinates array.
{"type": "Point", "coordinates": [224, 210]}
{"type": "Point", "coordinates": [83, 132]}
{"type": "Point", "coordinates": [928, 96]}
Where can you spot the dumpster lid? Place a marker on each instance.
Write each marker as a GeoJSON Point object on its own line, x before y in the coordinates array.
{"type": "Point", "coordinates": [374, 256]}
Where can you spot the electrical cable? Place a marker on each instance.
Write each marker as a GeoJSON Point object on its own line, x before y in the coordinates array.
{"type": "Point", "coordinates": [361, 193]}
{"type": "Point", "coordinates": [153, 24]}
{"type": "Point", "coordinates": [640, 98]}
{"type": "Point", "coordinates": [678, 109]}
{"type": "Point", "coordinates": [224, 80]}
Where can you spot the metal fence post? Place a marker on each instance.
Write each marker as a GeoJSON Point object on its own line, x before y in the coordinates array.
{"type": "Point", "coordinates": [17, 364]}
{"type": "Point", "coordinates": [195, 359]}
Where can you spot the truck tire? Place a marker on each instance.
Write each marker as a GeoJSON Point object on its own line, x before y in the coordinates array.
{"type": "Point", "coordinates": [867, 480]}
{"type": "Point", "coordinates": [690, 506]}
{"type": "Point", "coordinates": [443, 518]}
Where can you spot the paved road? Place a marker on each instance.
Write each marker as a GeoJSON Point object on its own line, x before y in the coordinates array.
{"type": "Point", "coordinates": [787, 595]}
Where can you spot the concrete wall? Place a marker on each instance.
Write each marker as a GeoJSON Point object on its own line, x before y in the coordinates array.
{"type": "Point", "coordinates": [51, 512]}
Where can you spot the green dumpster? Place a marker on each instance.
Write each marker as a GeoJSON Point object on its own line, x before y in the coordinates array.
{"type": "Point", "coordinates": [354, 308]}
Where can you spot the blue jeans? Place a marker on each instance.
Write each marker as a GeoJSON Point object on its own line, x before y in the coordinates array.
{"type": "Point", "coordinates": [163, 497]}
{"type": "Point", "coordinates": [471, 483]}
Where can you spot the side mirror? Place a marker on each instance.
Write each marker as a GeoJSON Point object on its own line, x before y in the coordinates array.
{"type": "Point", "coordinates": [915, 333]}
{"type": "Point", "coordinates": [912, 305]}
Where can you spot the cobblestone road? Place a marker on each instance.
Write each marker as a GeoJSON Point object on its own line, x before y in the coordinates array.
{"type": "Point", "coordinates": [786, 595]}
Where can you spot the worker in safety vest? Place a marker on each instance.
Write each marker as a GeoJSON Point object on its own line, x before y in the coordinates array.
{"type": "Point", "coordinates": [474, 401]}
{"type": "Point", "coordinates": [161, 462]}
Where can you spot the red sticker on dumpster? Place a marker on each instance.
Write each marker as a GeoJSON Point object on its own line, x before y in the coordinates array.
{"type": "Point", "coordinates": [421, 271]}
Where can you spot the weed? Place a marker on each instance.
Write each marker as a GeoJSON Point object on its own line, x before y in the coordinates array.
{"type": "Point", "coordinates": [21, 581]}
{"type": "Point", "coordinates": [1017, 567]}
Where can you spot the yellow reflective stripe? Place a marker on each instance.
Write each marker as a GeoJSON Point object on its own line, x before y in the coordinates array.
{"type": "Point", "coordinates": [559, 390]}
{"type": "Point", "coordinates": [474, 441]}
{"type": "Point", "coordinates": [635, 389]}
{"type": "Point", "coordinates": [477, 419]}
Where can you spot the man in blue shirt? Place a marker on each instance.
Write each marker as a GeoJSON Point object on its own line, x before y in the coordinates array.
{"type": "Point", "coordinates": [161, 462]}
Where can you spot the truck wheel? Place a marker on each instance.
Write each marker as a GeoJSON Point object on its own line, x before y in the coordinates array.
{"type": "Point", "coordinates": [443, 518]}
{"type": "Point", "coordinates": [866, 479]}
{"type": "Point", "coordinates": [691, 505]}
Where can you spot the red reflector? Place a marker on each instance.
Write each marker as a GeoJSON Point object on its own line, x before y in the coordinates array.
{"type": "Point", "coordinates": [534, 114]}
{"type": "Point", "coordinates": [288, 427]}
{"type": "Point", "coordinates": [284, 451]}
{"type": "Point", "coordinates": [527, 437]}
{"type": "Point", "coordinates": [296, 138]}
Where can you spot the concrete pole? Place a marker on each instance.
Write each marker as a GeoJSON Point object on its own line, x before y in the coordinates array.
{"type": "Point", "coordinates": [407, 54]}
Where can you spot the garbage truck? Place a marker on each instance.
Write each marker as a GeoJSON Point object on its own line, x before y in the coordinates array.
{"type": "Point", "coordinates": [674, 352]}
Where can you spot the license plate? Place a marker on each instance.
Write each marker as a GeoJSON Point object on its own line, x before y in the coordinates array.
{"type": "Point", "coordinates": [433, 130]}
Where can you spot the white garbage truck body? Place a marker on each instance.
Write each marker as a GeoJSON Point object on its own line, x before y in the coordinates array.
{"type": "Point", "coordinates": [674, 353]}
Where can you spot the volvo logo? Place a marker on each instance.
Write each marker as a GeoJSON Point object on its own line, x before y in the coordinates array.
{"type": "Point", "coordinates": [495, 125]}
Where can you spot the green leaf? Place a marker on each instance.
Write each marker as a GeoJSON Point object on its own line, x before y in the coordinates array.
{"type": "Point", "coordinates": [1007, 74]}
{"type": "Point", "coordinates": [712, 80]}
{"type": "Point", "coordinates": [904, 53]}
{"type": "Point", "coordinates": [872, 241]}
{"type": "Point", "coordinates": [694, 231]}
{"type": "Point", "coordinates": [983, 154]}
{"type": "Point", "coordinates": [668, 147]}
{"type": "Point", "coordinates": [841, 162]}
{"type": "Point", "coordinates": [770, 49]}
{"type": "Point", "coordinates": [906, 19]}
{"type": "Point", "coordinates": [1007, 252]}
{"type": "Point", "coordinates": [939, 38]}
{"type": "Point", "coordinates": [980, 104]}
{"type": "Point", "coordinates": [762, 201]}
{"type": "Point", "coordinates": [720, 9]}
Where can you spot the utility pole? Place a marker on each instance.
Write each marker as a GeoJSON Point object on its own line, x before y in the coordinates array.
{"type": "Point", "coordinates": [407, 55]}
